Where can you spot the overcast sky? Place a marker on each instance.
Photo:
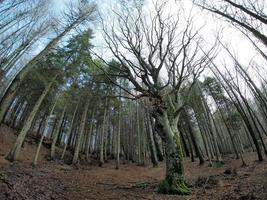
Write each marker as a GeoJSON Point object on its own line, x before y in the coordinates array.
{"type": "Point", "coordinates": [212, 25]}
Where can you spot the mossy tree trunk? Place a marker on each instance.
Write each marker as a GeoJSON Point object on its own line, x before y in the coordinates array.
{"type": "Point", "coordinates": [174, 182]}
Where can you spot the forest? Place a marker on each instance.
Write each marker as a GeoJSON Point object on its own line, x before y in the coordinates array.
{"type": "Point", "coordinates": [133, 99]}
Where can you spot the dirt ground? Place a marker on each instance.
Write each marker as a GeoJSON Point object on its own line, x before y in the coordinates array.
{"type": "Point", "coordinates": [56, 180]}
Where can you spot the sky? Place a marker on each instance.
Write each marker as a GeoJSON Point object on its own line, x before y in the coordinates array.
{"type": "Point", "coordinates": [232, 37]}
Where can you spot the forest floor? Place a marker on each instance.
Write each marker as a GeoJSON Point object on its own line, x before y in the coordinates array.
{"type": "Point", "coordinates": [56, 180]}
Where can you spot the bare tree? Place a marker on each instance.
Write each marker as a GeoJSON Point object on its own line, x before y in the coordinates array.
{"type": "Point", "coordinates": [159, 55]}
{"type": "Point", "coordinates": [248, 15]}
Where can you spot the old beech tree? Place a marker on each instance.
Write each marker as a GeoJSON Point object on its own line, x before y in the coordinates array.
{"type": "Point", "coordinates": [160, 56]}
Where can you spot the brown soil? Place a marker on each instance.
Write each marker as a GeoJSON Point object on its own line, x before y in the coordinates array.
{"type": "Point", "coordinates": [56, 180]}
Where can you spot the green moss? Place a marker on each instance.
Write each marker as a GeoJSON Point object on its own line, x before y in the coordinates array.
{"type": "Point", "coordinates": [173, 186]}
{"type": "Point", "coordinates": [175, 183]}
{"type": "Point", "coordinates": [179, 152]}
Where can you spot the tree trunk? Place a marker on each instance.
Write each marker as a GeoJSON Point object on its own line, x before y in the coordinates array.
{"type": "Point", "coordinates": [69, 131]}
{"type": "Point", "coordinates": [47, 123]}
{"type": "Point", "coordinates": [193, 138]}
{"type": "Point", "coordinates": [102, 133]}
{"type": "Point", "coordinates": [157, 145]}
{"type": "Point", "coordinates": [55, 137]}
{"type": "Point", "coordinates": [174, 182]}
{"type": "Point", "coordinates": [152, 147]}
{"type": "Point", "coordinates": [87, 151]}
{"type": "Point", "coordinates": [138, 135]}
{"type": "Point", "coordinates": [186, 151]}
{"type": "Point", "coordinates": [106, 138]}
{"type": "Point", "coordinates": [118, 142]}
{"type": "Point", "coordinates": [80, 134]}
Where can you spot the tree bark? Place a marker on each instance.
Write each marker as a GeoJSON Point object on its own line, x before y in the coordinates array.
{"type": "Point", "coordinates": [152, 147]}
{"type": "Point", "coordinates": [193, 139]}
{"type": "Point", "coordinates": [138, 135]}
{"type": "Point", "coordinates": [118, 142]}
{"type": "Point", "coordinates": [69, 132]}
{"type": "Point", "coordinates": [102, 133]}
{"type": "Point", "coordinates": [55, 137]}
{"type": "Point", "coordinates": [47, 123]}
{"type": "Point", "coordinates": [174, 182]}
{"type": "Point", "coordinates": [80, 134]}
{"type": "Point", "coordinates": [88, 150]}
